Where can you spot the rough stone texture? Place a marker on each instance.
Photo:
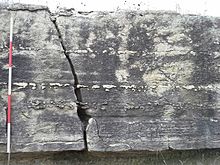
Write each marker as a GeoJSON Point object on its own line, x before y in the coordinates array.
{"type": "Point", "coordinates": [126, 133]}
{"type": "Point", "coordinates": [148, 80]}
{"type": "Point", "coordinates": [151, 79]}
{"type": "Point", "coordinates": [44, 110]}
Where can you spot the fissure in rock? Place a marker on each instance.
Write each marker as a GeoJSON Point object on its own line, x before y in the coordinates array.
{"type": "Point", "coordinates": [80, 110]}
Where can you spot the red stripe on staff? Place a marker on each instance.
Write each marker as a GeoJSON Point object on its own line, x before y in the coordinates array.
{"type": "Point", "coordinates": [9, 92]}
{"type": "Point", "coordinates": [9, 109]}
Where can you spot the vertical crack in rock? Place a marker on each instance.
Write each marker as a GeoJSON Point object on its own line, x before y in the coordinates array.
{"type": "Point", "coordinates": [80, 110]}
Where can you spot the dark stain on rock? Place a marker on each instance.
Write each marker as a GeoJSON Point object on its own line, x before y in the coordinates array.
{"type": "Point", "coordinates": [67, 27]}
{"type": "Point", "coordinates": [22, 68]}
{"type": "Point", "coordinates": [84, 34]}
{"type": "Point", "coordinates": [66, 32]}
{"type": "Point", "coordinates": [101, 44]}
{"type": "Point", "coordinates": [99, 31]}
{"type": "Point", "coordinates": [105, 50]}
{"type": "Point", "coordinates": [136, 75]}
{"type": "Point", "coordinates": [139, 39]}
{"type": "Point", "coordinates": [113, 27]}
{"type": "Point", "coordinates": [105, 46]}
{"type": "Point", "coordinates": [4, 72]}
{"type": "Point", "coordinates": [28, 23]}
{"type": "Point", "coordinates": [50, 33]}
{"type": "Point", "coordinates": [207, 103]}
{"type": "Point", "coordinates": [19, 42]}
{"type": "Point", "coordinates": [206, 70]}
{"type": "Point", "coordinates": [109, 65]}
{"type": "Point", "coordinates": [26, 26]}
{"type": "Point", "coordinates": [147, 63]}
{"type": "Point", "coordinates": [67, 37]}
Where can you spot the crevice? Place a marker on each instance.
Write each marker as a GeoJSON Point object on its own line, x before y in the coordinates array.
{"type": "Point", "coordinates": [81, 111]}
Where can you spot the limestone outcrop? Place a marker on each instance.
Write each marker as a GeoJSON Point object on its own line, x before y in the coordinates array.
{"type": "Point", "coordinates": [111, 81]}
{"type": "Point", "coordinates": [44, 104]}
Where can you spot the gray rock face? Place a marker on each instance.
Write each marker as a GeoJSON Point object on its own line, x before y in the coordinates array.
{"type": "Point", "coordinates": [44, 110]}
{"type": "Point", "coordinates": [140, 133]}
{"type": "Point", "coordinates": [147, 80]}
{"type": "Point", "coordinates": [151, 80]}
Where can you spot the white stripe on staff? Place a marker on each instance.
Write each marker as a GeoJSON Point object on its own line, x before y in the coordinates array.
{"type": "Point", "coordinates": [9, 79]}
{"type": "Point", "coordinates": [11, 28]}
{"type": "Point", "coordinates": [9, 91]}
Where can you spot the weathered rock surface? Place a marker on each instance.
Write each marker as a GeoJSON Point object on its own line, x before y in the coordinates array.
{"type": "Point", "coordinates": [140, 133]}
{"type": "Point", "coordinates": [151, 79]}
{"type": "Point", "coordinates": [147, 80]}
{"type": "Point", "coordinates": [44, 109]}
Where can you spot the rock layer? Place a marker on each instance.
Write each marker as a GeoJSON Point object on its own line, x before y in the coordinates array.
{"type": "Point", "coordinates": [44, 109]}
{"type": "Point", "coordinates": [147, 80]}
{"type": "Point", "coordinates": [151, 79]}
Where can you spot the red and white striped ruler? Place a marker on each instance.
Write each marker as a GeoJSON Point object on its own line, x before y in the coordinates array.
{"type": "Point", "coordinates": [9, 90]}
